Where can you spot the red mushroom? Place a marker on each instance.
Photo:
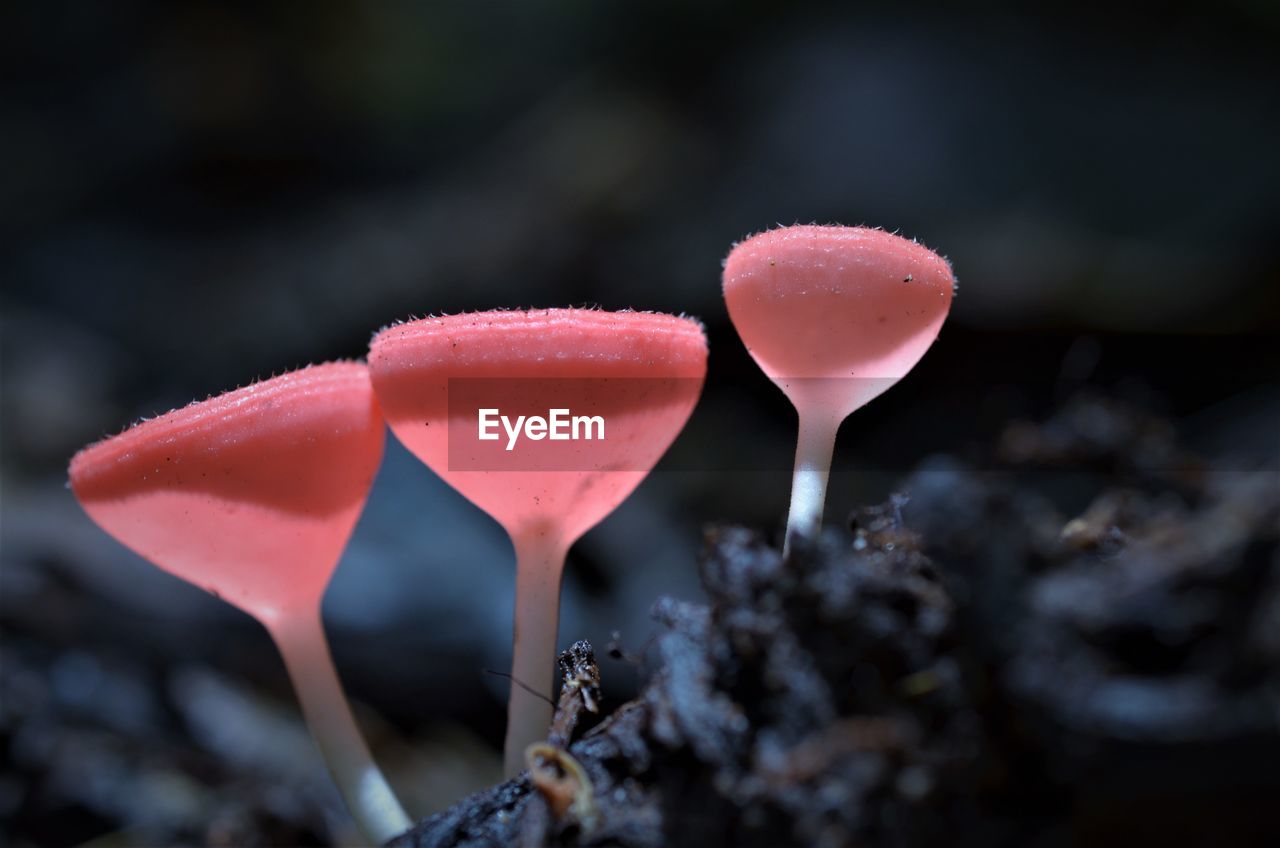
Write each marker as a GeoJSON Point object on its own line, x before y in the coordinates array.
{"type": "Point", "coordinates": [834, 316]}
{"type": "Point", "coordinates": [439, 380]}
{"type": "Point", "coordinates": [252, 495]}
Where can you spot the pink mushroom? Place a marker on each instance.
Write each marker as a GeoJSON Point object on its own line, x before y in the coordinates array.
{"type": "Point", "coordinates": [252, 495]}
{"type": "Point", "coordinates": [834, 316]}
{"type": "Point", "coordinates": [639, 373]}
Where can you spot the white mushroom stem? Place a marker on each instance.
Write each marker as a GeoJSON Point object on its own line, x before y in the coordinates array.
{"type": "Point", "coordinates": [539, 567]}
{"type": "Point", "coordinates": [373, 805]}
{"type": "Point", "coordinates": [814, 447]}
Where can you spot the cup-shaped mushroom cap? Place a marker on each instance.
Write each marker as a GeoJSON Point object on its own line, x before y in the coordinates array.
{"type": "Point", "coordinates": [251, 495]}
{"type": "Point", "coordinates": [641, 373]}
{"type": "Point", "coordinates": [836, 315]}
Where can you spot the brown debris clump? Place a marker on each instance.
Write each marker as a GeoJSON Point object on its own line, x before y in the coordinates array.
{"type": "Point", "coordinates": [1000, 657]}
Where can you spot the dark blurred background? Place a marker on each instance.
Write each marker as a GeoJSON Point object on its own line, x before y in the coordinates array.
{"type": "Point", "coordinates": [196, 195]}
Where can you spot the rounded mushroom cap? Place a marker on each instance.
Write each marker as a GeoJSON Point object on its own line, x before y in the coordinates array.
{"type": "Point", "coordinates": [640, 372]}
{"type": "Point", "coordinates": [252, 494]}
{"type": "Point", "coordinates": [836, 315]}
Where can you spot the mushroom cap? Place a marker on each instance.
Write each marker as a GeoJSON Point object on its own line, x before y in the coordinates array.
{"type": "Point", "coordinates": [641, 372]}
{"type": "Point", "coordinates": [835, 315]}
{"type": "Point", "coordinates": [252, 494]}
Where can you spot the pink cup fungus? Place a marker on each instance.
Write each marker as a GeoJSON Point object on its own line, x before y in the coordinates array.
{"type": "Point", "coordinates": [252, 495]}
{"type": "Point", "coordinates": [834, 316]}
{"type": "Point", "coordinates": [639, 373]}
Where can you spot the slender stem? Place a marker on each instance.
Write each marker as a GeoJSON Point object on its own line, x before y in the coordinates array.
{"type": "Point", "coordinates": [814, 446]}
{"type": "Point", "coordinates": [306, 654]}
{"type": "Point", "coordinates": [539, 566]}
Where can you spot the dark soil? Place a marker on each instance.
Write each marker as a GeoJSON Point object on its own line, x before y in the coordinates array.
{"type": "Point", "coordinates": [975, 662]}
{"type": "Point", "coordinates": [1069, 638]}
